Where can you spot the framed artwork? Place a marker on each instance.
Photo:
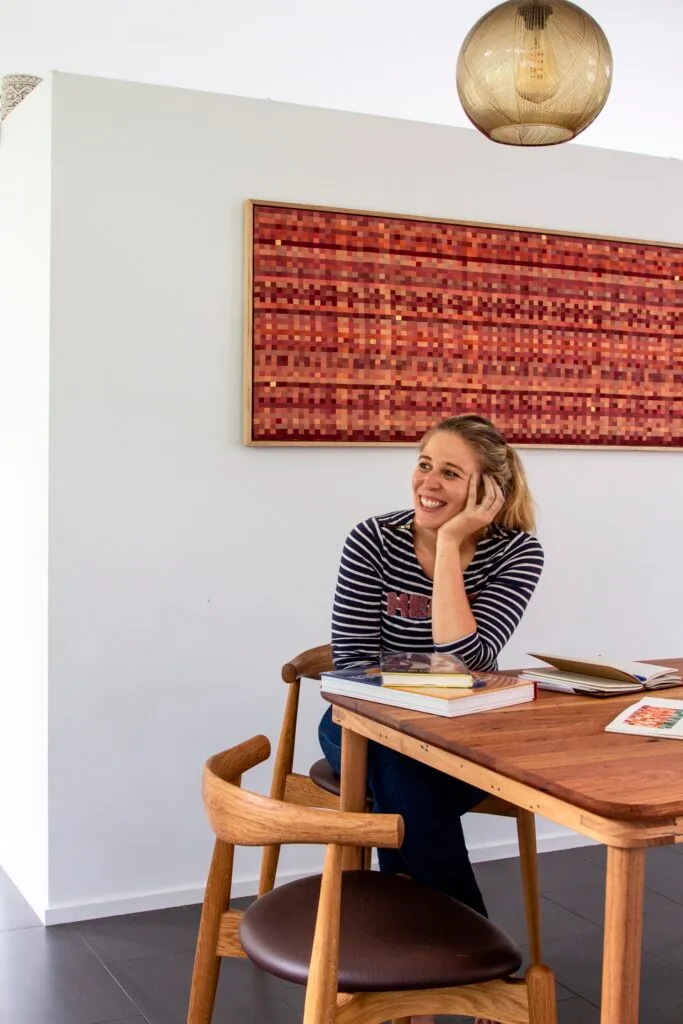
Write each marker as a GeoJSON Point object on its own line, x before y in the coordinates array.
{"type": "Point", "coordinates": [366, 328]}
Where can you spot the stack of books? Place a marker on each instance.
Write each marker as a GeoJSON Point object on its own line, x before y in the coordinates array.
{"type": "Point", "coordinates": [438, 684]}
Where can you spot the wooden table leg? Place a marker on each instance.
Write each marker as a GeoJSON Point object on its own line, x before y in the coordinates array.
{"type": "Point", "coordinates": [623, 933]}
{"type": "Point", "coordinates": [354, 785]}
{"type": "Point", "coordinates": [528, 859]}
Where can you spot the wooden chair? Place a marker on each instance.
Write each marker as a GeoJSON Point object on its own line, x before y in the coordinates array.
{"type": "Point", "coordinates": [369, 947]}
{"type": "Point", "coordinates": [320, 788]}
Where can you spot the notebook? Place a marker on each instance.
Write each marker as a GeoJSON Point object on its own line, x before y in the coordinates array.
{"type": "Point", "coordinates": [599, 677]}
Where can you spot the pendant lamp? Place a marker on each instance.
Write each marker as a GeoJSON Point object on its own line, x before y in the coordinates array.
{"type": "Point", "coordinates": [534, 74]}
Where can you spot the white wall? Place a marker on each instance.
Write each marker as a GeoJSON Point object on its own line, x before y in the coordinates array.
{"type": "Point", "coordinates": [24, 434]}
{"type": "Point", "coordinates": [392, 58]}
{"type": "Point", "coordinates": [185, 568]}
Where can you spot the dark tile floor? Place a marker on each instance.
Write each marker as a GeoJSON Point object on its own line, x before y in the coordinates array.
{"type": "Point", "coordinates": [136, 969]}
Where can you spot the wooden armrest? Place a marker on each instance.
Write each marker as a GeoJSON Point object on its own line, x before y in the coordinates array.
{"type": "Point", "coordinates": [249, 819]}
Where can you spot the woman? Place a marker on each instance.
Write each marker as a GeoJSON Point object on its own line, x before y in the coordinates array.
{"type": "Point", "coordinates": [453, 574]}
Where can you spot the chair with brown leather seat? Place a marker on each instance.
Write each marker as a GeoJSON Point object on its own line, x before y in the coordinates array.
{"type": "Point", "coordinates": [368, 946]}
{"type": "Point", "coordinates": [320, 788]}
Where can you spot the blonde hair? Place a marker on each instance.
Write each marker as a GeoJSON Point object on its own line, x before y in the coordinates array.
{"type": "Point", "coordinates": [497, 459]}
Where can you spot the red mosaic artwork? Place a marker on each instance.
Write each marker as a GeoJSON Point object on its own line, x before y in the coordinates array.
{"type": "Point", "coordinates": [366, 329]}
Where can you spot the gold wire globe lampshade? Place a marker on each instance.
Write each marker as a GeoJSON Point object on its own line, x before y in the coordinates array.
{"type": "Point", "coordinates": [534, 74]}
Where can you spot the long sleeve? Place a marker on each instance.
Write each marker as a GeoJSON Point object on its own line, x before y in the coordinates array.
{"type": "Point", "coordinates": [356, 616]}
{"type": "Point", "coordinates": [499, 606]}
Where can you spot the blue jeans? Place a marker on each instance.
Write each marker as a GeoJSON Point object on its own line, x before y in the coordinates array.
{"type": "Point", "coordinates": [431, 804]}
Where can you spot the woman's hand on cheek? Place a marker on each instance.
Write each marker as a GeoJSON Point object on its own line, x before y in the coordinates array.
{"type": "Point", "coordinates": [475, 515]}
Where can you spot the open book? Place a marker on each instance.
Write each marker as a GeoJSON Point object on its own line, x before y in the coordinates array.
{"type": "Point", "coordinates": [651, 716]}
{"type": "Point", "coordinates": [600, 677]}
{"type": "Point", "coordinates": [489, 691]}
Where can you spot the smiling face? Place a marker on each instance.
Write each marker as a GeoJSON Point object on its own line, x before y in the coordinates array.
{"type": "Point", "coordinates": [440, 479]}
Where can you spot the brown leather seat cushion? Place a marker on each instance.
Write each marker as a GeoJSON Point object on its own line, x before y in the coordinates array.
{"type": "Point", "coordinates": [321, 773]}
{"type": "Point", "coordinates": [395, 934]}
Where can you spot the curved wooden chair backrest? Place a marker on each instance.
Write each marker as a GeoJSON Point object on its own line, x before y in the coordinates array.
{"type": "Point", "coordinates": [309, 664]}
{"type": "Point", "coordinates": [242, 818]}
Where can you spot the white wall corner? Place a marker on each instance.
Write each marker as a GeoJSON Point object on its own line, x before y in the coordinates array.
{"type": "Point", "coordinates": [25, 213]}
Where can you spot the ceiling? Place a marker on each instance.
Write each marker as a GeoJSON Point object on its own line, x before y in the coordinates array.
{"type": "Point", "coordinates": [372, 56]}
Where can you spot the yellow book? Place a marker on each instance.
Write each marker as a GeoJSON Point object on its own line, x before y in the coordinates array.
{"type": "Point", "coordinates": [425, 669]}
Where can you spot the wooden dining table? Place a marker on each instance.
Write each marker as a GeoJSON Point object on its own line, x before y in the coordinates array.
{"type": "Point", "coordinates": [552, 757]}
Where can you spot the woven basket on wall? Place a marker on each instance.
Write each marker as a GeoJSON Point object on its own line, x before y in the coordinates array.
{"type": "Point", "coordinates": [13, 89]}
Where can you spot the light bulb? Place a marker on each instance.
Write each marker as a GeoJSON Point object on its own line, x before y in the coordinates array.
{"type": "Point", "coordinates": [536, 74]}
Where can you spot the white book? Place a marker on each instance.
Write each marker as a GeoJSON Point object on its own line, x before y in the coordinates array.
{"type": "Point", "coordinates": [651, 716]}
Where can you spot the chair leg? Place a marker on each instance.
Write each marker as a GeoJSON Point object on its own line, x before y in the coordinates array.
{"type": "Point", "coordinates": [269, 862]}
{"type": "Point", "coordinates": [321, 989]}
{"type": "Point", "coordinates": [528, 859]}
{"type": "Point", "coordinates": [284, 759]}
{"type": "Point", "coordinates": [540, 982]}
{"type": "Point", "coordinates": [207, 964]}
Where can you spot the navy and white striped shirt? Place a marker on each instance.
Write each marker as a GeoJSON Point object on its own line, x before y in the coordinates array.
{"type": "Point", "coordinates": [383, 597]}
